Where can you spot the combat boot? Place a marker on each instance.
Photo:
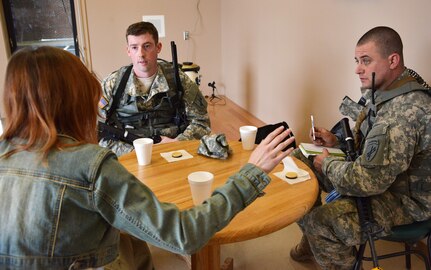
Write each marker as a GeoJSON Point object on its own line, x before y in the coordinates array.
{"type": "Point", "coordinates": [302, 251]}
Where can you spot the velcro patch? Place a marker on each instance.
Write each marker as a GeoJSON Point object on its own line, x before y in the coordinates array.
{"type": "Point", "coordinates": [103, 102]}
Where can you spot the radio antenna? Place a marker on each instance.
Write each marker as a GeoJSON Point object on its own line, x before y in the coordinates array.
{"type": "Point", "coordinates": [373, 87]}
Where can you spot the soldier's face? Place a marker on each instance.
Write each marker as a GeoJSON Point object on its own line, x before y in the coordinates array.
{"type": "Point", "coordinates": [143, 52]}
{"type": "Point", "coordinates": [368, 60]}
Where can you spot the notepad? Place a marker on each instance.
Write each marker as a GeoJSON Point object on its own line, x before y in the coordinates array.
{"type": "Point", "coordinates": [308, 149]}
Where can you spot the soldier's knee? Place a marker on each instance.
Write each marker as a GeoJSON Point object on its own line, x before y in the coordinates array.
{"type": "Point", "coordinates": [324, 215]}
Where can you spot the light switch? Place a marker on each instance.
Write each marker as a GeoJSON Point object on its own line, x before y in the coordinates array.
{"type": "Point", "coordinates": [186, 35]}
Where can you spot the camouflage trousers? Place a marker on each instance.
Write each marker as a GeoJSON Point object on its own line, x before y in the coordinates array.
{"type": "Point", "coordinates": [333, 229]}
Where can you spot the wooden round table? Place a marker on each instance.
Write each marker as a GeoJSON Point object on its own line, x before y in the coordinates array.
{"type": "Point", "coordinates": [282, 204]}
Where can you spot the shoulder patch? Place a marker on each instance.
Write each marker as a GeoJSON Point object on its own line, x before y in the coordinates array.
{"type": "Point", "coordinates": [372, 149]}
{"type": "Point", "coordinates": [103, 102]}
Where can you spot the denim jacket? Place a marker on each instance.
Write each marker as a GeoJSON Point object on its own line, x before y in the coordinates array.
{"type": "Point", "coordinates": [66, 212]}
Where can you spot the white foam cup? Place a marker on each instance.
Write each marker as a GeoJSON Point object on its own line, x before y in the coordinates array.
{"type": "Point", "coordinates": [248, 136]}
{"type": "Point", "coordinates": [200, 185]}
{"type": "Point", "coordinates": [143, 149]}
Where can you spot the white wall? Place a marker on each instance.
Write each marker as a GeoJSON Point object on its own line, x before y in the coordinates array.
{"type": "Point", "coordinates": [4, 54]}
{"type": "Point", "coordinates": [108, 26]}
{"type": "Point", "coordinates": [109, 19]}
{"type": "Point", "coordinates": [280, 59]}
{"type": "Point", "coordinates": [285, 60]}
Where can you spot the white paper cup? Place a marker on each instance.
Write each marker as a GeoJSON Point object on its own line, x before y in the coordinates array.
{"type": "Point", "coordinates": [200, 185]}
{"type": "Point", "coordinates": [143, 149]}
{"type": "Point", "coordinates": [248, 136]}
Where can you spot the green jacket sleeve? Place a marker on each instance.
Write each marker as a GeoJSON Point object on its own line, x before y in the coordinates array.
{"type": "Point", "coordinates": [130, 206]}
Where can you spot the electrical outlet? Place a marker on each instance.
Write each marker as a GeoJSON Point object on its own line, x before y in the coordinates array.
{"type": "Point", "coordinates": [186, 35]}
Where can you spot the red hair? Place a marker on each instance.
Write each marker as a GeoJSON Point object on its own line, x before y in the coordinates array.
{"type": "Point", "coordinates": [49, 91]}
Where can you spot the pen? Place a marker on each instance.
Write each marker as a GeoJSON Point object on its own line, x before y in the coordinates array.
{"type": "Point", "coordinates": [312, 127]}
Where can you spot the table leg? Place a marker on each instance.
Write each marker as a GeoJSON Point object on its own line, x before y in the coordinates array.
{"type": "Point", "coordinates": [208, 258]}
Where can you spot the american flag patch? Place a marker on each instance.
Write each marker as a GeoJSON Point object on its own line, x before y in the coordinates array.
{"type": "Point", "coordinates": [103, 103]}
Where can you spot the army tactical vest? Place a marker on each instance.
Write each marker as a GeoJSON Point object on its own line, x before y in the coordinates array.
{"type": "Point", "coordinates": [155, 115]}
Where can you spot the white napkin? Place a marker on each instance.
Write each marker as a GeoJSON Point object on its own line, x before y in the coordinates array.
{"type": "Point", "coordinates": [169, 158]}
{"type": "Point", "coordinates": [290, 166]}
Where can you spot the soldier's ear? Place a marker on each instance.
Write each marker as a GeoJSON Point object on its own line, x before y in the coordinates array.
{"type": "Point", "coordinates": [394, 60]}
{"type": "Point", "coordinates": [159, 47]}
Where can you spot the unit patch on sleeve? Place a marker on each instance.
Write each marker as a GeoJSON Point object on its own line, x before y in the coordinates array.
{"type": "Point", "coordinates": [372, 149]}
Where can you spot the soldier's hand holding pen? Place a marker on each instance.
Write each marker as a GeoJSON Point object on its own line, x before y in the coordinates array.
{"type": "Point", "coordinates": [323, 137]}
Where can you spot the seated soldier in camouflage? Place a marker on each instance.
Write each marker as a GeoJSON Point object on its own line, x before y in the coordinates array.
{"type": "Point", "coordinates": [393, 139]}
{"type": "Point", "coordinates": [151, 104]}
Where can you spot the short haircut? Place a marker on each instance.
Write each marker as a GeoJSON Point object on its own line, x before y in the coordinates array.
{"type": "Point", "coordinates": [47, 92]}
{"type": "Point", "coordinates": [141, 28]}
{"type": "Point", "coordinates": [387, 40]}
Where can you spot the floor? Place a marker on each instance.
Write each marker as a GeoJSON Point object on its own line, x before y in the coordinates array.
{"type": "Point", "coordinates": [271, 251]}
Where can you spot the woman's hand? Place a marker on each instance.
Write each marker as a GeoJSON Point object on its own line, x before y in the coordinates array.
{"type": "Point", "coordinates": [268, 153]}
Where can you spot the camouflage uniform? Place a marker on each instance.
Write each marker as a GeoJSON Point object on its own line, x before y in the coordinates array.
{"type": "Point", "coordinates": [215, 146]}
{"type": "Point", "coordinates": [394, 169]}
{"type": "Point", "coordinates": [135, 102]}
{"type": "Point", "coordinates": [352, 109]}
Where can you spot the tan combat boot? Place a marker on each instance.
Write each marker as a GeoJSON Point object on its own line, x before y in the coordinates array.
{"type": "Point", "coordinates": [302, 251]}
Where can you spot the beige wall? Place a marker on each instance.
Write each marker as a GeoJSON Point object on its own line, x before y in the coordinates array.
{"type": "Point", "coordinates": [107, 28]}
{"type": "Point", "coordinates": [281, 60]}
{"type": "Point", "coordinates": [285, 60]}
{"type": "Point", "coordinates": [4, 53]}
{"type": "Point", "coordinates": [108, 20]}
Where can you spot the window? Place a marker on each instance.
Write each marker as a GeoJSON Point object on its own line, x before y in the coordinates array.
{"type": "Point", "coordinates": [41, 23]}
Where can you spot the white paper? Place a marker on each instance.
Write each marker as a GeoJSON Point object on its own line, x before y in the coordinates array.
{"type": "Point", "coordinates": [169, 158]}
{"type": "Point", "coordinates": [290, 166]}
